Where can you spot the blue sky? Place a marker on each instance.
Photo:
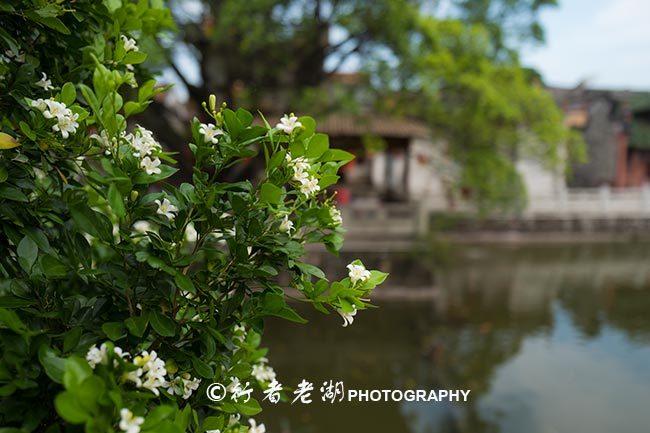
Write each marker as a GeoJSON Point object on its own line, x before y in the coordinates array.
{"type": "Point", "coordinates": [603, 42]}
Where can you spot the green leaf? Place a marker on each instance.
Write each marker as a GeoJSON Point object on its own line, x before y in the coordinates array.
{"type": "Point", "coordinates": [53, 268]}
{"type": "Point", "coordinates": [270, 193]}
{"type": "Point", "coordinates": [27, 130]}
{"type": "Point", "coordinates": [165, 172]}
{"type": "Point", "coordinates": [337, 155]}
{"type": "Point", "coordinates": [92, 222]}
{"type": "Point", "coordinates": [309, 269]}
{"type": "Point", "coordinates": [327, 180]}
{"type": "Point", "coordinates": [11, 301]}
{"type": "Point", "coordinates": [12, 193]}
{"type": "Point", "coordinates": [184, 283]}
{"type": "Point", "coordinates": [116, 201]}
{"type": "Point", "coordinates": [158, 415]}
{"type": "Point", "coordinates": [12, 321]}
{"type": "Point", "coordinates": [27, 253]}
{"type": "Point", "coordinates": [67, 405]}
{"type": "Point", "coordinates": [202, 369]}
{"type": "Point", "coordinates": [134, 57]}
{"type": "Point", "coordinates": [71, 339]}
{"type": "Point", "coordinates": [75, 372]}
{"type": "Point", "coordinates": [250, 408]}
{"type": "Point", "coordinates": [162, 324]}
{"type": "Point", "coordinates": [68, 94]}
{"type": "Point", "coordinates": [53, 364]}
{"type": "Point", "coordinates": [213, 423]}
{"type": "Point", "coordinates": [318, 144]}
{"type": "Point", "coordinates": [137, 325]}
{"type": "Point", "coordinates": [113, 330]}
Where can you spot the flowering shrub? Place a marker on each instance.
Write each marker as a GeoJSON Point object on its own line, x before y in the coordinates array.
{"type": "Point", "coordinates": [124, 296]}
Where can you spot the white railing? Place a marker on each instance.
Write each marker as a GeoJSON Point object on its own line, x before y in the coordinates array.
{"type": "Point", "coordinates": [603, 202]}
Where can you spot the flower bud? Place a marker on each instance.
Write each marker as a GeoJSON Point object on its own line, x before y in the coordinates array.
{"type": "Point", "coordinates": [134, 195]}
{"type": "Point", "coordinates": [213, 103]}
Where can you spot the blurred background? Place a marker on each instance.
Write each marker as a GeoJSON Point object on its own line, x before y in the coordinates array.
{"type": "Point", "coordinates": [503, 161]}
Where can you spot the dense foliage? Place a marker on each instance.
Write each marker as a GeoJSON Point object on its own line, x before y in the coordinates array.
{"type": "Point", "coordinates": [452, 64]}
{"type": "Point", "coordinates": [122, 296]}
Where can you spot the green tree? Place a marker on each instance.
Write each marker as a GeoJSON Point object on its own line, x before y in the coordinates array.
{"type": "Point", "coordinates": [453, 64]}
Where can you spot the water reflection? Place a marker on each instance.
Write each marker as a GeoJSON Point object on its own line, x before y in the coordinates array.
{"type": "Point", "coordinates": [552, 339]}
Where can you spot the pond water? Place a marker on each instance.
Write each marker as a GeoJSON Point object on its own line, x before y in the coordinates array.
{"type": "Point", "coordinates": [548, 340]}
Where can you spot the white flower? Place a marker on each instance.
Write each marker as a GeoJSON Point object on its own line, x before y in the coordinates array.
{"type": "Point", "coordinates": [142, 142]}
{"type": "Point", "coordinates": [239, 332]}
{"type": "Point", "coordinates": [130, 423]}
{"type": "Point", "coordinates": [183, 385]}
{"type": "Point", "coordinates": [263, 373]}
{"type": "Point", "coordinates": [102, 138]}
{"type": "Point", "coordinates": [335, 214]}
{"type": "Point", "coordinates": [154, 371]}
{"type": "Point", "coordinates": [256, 428]}
{"type": "Point", "coordinates": [286, 225]}
{"type": "Point", "coordinates": [96, 356]}
{"type": "Point", "coordinates": [66, 125]}
{"type": "Point", "coordinates": [166, 208]}
{"type": "Point", "coordinates": [134, 376]}
{"type": "Point", "coordinates": [129, 44]}
{"type": "Point", "coordinates": [288, 123]}
{"type": "Point", "coordinates": [309, 186]}
{"type": "Point", "coordinates": [358, 273]}
{"type": "Point", "coordinates": [191, 235]}
{"type": "Point", "coordinates": [348, 318]}
{"type": "Point", "coordinates": [189, 385]}
{"type": "Point", "coordinates": [210, 133]}
{"type": "Point", "coordinates": [19, 57]}
{"type": "Point", "coordinates": [142, 226]}
{"type": "Point", "coordinates": [233, 419]}
{"type": "Point", "coordinates": [151, 166]}
{"type": "Point", "coordinates": [44, 82]}
{"type": "Point", "coordinates": [56, 110]}
{"type": "Point", "coordinates": [213, 431]}
{"type": "Point", "coordinates": [39, 104]}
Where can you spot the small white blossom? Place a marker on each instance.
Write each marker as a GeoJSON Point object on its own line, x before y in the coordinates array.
{"type": "Point", "coordinates": [102, 138]}
{"type": "Point", "coordinates": [66, 125]}
{"type": "Point", "coordinates": [210, 132]}
{"type": "Point", "coordinates": [142, 226]}
{"type": "Point", "coordinates": [183, 385]}
{"type": "Point", "coordinates": [154, 371]}
{"type": "Point", "coordinates": [44, 82]}
{"type": "Point", "coordinates": [358, 273]}
{"type": "Point", "coordinates": [191, 235]}
{"type": "Point", "coordinates": [142, 142]}
{"type": "Point", "coordinates": [166, 208]}
{"type": "Point", "coordinates": [55, 109]}
{"type": "Point", "coordinates": [129, 44]}
{"type": "Point", "coordinates": [288, 123]}
{"type": "Point", "coordinates": [263, 373]}
{"type": "Point", "coordinates": [151, 166]}
{"type": "Point", "coordinates": [335, 214]}
{"type": "Point", "coordinates": [233, 419]}
{"type": "Point", "coordinates": [309, 186]}
{"type": "Point", "coordinates": [130, 423]}
{"type": "Point", "coordinates": [96, 355]}
{"type": "Point", "coordinates": [18, 57]}
{"type": "Point", "coordinates": [39, 104]}
{"type": "Point", "coordinates": [286, 225]}
{"type": "Point", "coordinates": [134, 376]}
{"type": "Point", "coordinates": [254, 428]}
{"type": "Point", "coordinates": [348, 318]}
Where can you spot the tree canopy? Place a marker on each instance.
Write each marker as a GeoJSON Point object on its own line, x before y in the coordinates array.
{"type": "Point", "coordinates": [453, 64]}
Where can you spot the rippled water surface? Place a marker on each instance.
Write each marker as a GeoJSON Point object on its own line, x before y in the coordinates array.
{"type": "Point", "coordinates": [549, 339]}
